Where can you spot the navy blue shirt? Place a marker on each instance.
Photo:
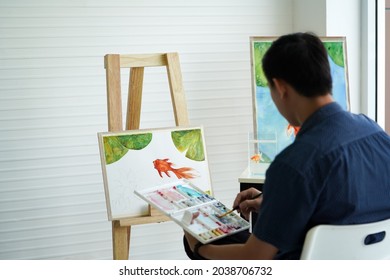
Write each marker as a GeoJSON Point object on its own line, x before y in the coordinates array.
{"type": "Point", "coordinates": [337, 171]}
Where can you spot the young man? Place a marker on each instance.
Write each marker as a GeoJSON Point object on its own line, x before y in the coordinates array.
{"type": "Point", "coordinates": [337, 171]}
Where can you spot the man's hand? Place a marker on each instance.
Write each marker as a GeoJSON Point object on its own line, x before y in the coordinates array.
{"type": "Point", "coordinates": [245, 202]}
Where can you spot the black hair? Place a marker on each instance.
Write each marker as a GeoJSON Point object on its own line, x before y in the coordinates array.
{"type": "Point", "coordinates": [301, 60]}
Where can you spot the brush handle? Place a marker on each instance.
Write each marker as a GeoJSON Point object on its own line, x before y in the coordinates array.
{"type": "Point", "coordinates": [257, 195]}
{"type": "Point", "coordinates": [236, 208]}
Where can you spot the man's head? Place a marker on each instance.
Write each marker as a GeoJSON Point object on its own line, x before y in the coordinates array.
{"type": "Point", "coordinates": [301, 60]}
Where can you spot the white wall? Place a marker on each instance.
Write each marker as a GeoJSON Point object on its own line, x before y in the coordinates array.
{"type": "Point", "coordinates": [368, 58]}
{"type": "Point", "coordinates": [387, 65]}
{"type": "Point", "coordinates": [381, 67]}
{"type": "Point", "coordinates": [310, 15]}
{"type": "Point", "coordinates": [336, 18]}
{"type": "Point", "coordinates": [344, 19]}
{"type": "Point", "coordinates": [53, 102]}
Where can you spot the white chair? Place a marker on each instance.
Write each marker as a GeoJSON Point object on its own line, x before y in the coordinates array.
{"type": "Point", "coordinates": [348, 242]}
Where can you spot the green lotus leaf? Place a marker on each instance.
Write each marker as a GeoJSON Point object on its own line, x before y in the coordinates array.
{"type": "Point", "coordinates": [191, 142]}
{"type": "Point", "coordinates": [115, 147]}
{"type": "Point", "coordinates": [335, 51]}
{"type": "Point", "coordinates": [259, 50]}
{"type": "Point", "coordinates": [135, 141]}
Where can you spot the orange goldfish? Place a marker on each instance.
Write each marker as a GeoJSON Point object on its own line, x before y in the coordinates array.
{"type": "Point", "coordinates": [256, 158]}
{"type": "Point", "coordinates": [292, 129]}
{"type": "Point", "coordinates": [164, 166]}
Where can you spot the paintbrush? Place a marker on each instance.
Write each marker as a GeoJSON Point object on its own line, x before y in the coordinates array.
{"type": "Point", "coordinates": [235, 208]}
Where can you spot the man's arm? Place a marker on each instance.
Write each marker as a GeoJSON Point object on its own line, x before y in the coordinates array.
{"type": "Point", "coordinates": [253, 249]}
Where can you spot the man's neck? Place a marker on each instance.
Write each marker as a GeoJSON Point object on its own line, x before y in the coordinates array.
{"type": "Point", "coordinates": [307, 106]}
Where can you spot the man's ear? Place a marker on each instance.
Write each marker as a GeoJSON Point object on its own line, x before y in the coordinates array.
{"type": "Point", "coordinates": [281, 87]}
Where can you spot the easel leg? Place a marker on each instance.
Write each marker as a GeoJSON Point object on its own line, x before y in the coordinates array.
{"type": "Point", "coordinates": [120, 241]}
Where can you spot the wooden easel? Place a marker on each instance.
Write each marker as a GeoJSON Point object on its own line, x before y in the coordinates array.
{"type": "Point", "coordinates": [121, 229]}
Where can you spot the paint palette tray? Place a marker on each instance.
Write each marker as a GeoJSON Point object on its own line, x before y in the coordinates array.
{"type": "Point", "coordinates": [194, 210]}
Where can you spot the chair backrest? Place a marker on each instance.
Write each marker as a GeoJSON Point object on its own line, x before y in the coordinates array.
{"type": "Point", "coordinates": [348, 242]}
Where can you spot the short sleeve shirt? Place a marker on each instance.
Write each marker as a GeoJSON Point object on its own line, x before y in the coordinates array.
{"type": "Point", "coordinates": [337, 171]}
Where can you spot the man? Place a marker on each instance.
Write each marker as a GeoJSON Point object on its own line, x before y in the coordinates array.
{"type": "Point", "coordinates": [336, 171]}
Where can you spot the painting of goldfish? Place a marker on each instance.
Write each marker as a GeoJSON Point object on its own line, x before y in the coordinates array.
{"type": "Point", "coordinates": [138, 159]}
{"type": "Point", "coordinates": [267, 118]}
{"type": "Point", "coordinates": [165, 166]}
{"type": "Point", "coordinates": [256, 158]}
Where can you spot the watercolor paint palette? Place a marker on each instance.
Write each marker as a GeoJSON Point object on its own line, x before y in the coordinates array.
{"type": "Point", "coordinates": [194, 210]}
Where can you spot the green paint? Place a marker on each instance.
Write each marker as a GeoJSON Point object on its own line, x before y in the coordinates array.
{"type": "Point", "coordinates": [136, 141]}
{"type": "Point", "coordinates": [259, 50]}
{"type": "Point", "coordinates": [190, 141]}
{"type": "Point", "coordinates": [115, 147]}
{"type": "Point", "coordinates": [335, 51]}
